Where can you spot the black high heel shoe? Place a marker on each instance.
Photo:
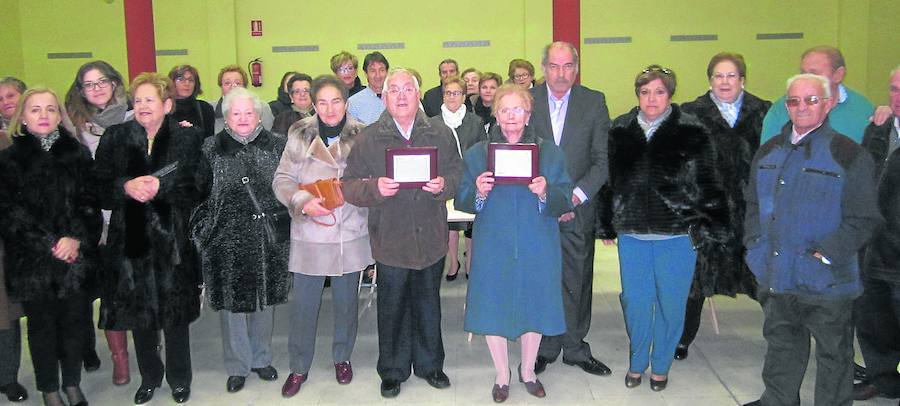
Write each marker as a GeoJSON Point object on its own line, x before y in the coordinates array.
{"type": "Point", "coordinates": [75, 396]}
{"type": "Point", "coordinates": [52, 399]}
{"type": "Point", "coordinates": [452, 277]}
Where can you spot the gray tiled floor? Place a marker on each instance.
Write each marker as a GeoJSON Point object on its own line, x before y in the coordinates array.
{"type": "Point", "coordinates": [722, 369]}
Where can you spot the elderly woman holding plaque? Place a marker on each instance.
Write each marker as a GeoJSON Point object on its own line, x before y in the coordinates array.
{"type": "Point", "coordinates": [516, 268]}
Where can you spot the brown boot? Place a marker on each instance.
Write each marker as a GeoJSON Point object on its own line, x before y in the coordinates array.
{"type": "Point", "coordinates": [118, 346]}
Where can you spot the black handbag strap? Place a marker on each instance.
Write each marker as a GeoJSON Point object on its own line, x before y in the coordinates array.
{"type": "Point", "coordinates": [259, 210]}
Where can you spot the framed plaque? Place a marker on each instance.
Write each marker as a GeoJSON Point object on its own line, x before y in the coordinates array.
{"type": "Point", "coordinates": [411, 167]}
{"type": "Point", "coordinates": [513, 163]}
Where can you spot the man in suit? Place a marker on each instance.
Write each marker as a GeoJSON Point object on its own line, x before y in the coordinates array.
{"type": "Point", "coordinates": [434, 97]}
{"type": "Point", "coordinates": [578, 120]}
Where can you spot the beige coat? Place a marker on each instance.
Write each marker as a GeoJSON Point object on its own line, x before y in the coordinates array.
{"type": "Point", "coordinates": [317, 249]}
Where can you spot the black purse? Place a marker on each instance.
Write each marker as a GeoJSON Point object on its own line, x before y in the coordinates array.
{"type": "Point", "coordinates": [277, 223]}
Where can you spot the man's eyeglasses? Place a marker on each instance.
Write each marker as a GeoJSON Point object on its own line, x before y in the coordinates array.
{"type": "Point", "coordinates": [393, 91]}
{"type": "Point", "coordinates": [567, 67]}
{"type": "Point", "coordinates": [101, 83]}
{"type": "Point", "coordinates": [809, 100]}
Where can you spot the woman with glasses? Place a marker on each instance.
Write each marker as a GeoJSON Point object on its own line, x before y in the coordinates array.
{"type": "Point", "coordinates": [734, 118]}
{"type": "Point", "coordinates": [95, 101]}
{"type": "Point", "coordinates": [301, 104]}
{"type": "Point", "coordinates": [282, 100]}
{"type": "Point", "coordinates": [345, 65]}
{"type": "Point", "coordinates": [150, 173]}
{"type": "Point", "coordinates": [516, 289]}
{"type": "Point", "coordinates": [50, 226]}
{"type": "Point", "coordinates": [467, 130]}
{"type": "Point", "coordinates": [521, 72]}
{"type": "Point", "coordinates": [325, 242]}
{"type": "Point", "coordinates": [189, 110]}
{"type": "Point", "coordinates": [231, 77]}
{"type": "Point", "coordinates": [666, 201]}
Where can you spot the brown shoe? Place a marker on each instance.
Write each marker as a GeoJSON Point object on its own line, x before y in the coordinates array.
{"type": "Point", "coordinates": [343, 372]}
{"type": "Point", "coordinates": [500, 393]}
{"type": "Point", "coordinates": [292, 384]}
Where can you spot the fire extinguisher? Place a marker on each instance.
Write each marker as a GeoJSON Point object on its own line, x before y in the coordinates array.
{"type": "Point", "coordinates": [255, 68]}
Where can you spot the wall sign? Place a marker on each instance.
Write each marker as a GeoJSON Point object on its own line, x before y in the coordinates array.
{"type": "Point", "coordinates": [255, 28]}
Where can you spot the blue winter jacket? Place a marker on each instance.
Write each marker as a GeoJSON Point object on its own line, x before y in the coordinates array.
{"type": "Point", "coordinates": [816, 196]}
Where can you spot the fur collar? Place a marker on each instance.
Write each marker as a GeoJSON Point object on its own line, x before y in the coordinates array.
{"type": "Point", "coordinates": [229, 146]}
{"type": "Point", "coordinates": [29, 146]}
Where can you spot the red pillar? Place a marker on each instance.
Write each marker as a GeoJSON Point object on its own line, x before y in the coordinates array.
{"type": "Point", "coordinates": [567, 23]}
{"type": "Point", "coordinates": [140, 38]}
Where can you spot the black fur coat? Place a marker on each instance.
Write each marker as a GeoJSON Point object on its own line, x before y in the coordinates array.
{"type": "Point", "coordinates": [242, 271]}
{"type": "Point", "coordinates": [44, 196]}
{"type": "Point", "coordinates": [721, 269]}
{"type": "Point", "coordinates": [667, 185]}
{"type": "Point", "coordinates": [154, 269]}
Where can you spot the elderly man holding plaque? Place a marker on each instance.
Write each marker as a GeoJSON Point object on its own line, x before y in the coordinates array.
{"type": "Point", "coordinates": [517, 186]}
{"type": "Point", "coordinates": [404, 169]}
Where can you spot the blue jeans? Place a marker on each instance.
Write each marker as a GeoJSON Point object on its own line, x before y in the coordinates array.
{"type": "Point", "coordinates": [656, 280]}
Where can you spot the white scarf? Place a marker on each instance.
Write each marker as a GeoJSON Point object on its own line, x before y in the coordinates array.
{"type": "Point", "coordinates": [453, 120]}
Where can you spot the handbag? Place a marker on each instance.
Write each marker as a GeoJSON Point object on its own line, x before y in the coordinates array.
{"type": "Point", "coordinates": [277, 223]}
{"type": "Point", "coordinates": [329, 190]}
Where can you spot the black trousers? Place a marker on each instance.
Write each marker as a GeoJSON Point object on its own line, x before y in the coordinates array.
{"type": "Point", "coordinates": [878, 331]}
{"type": "Point", "coordinates": [577, 239]}
{"type": "Point", "coordinates": [10, 352]}
{"type": "Point", "coordinates": [790, 321]}
{"type": "Point", "coordinates": [89, 344]}
{"type": "Point", "coordinates": [55, 334]}
{"type": "Point", "coordinates": [177, 368]}
{"type": "Point", "coordinates": [692, 315]}
{"type": "Point", "coordinates": [409, 321]}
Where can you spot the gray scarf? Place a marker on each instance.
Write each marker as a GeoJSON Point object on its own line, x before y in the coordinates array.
{"type": "Point", "coordinates": [113, 114]}
{"type": "Point", "coordinates": [48, 140]}
{"type": "Point", "coordinates": [245, 140]}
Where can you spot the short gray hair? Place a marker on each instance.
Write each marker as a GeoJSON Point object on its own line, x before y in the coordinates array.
{"type": "Point", "coordinates": [823, 81]}
{"type": "Point", "coordinates": [395, 71]}
{"type": "Point", "coordinates": [560, 44]}
{"type": "Point", "coordinates": [894, 72]}
{"type": "Point", "coordinates": [241, 93]}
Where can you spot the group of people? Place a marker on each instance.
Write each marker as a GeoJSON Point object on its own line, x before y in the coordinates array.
{"type": "Point", "coordinates": [153, 201]}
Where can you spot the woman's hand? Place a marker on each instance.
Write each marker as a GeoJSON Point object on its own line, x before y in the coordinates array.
{"type": "Point", "coordinates": [538, 186]}
{"type": "Point", "coordinates": [484, 183]}
{"type": "Point", "coordinates": [314, 208]}
{"type": "Point", "coordinates": [66, 249]}
{"type": "Point", "coordinates": [142, 188]}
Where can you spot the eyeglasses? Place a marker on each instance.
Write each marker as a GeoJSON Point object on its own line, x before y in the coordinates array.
{"type": "Point", "coordinates": [237, 83]}
{"type": "Point", "coordinates": [809, 100]}
{"type": "Point", "coordinates": [394, 91]}
{"type": "Point", "coordinates": [182, 79]}
{"type": "Point", "coordinates": [522, 75]}
{"type": "Point", "coordinates": [665, 71]}
{"type": "Point", "coordinates": [101, 83]}
{"type": "Point", "coordinates": [567, 67]}
{"type": "Point", "coordinates": [453, 93]}
{"type": "Point", "coordinates": [724, 76]}
{"type": "Point", "coordinates": [346, 69]}
{"type": "Point", "coordinates": [300, 92]}
{"type": "Point", "coordinates": [513, 110]}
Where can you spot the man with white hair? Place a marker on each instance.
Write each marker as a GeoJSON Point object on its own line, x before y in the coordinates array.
{"type": "Point", "coordinates": [408, 233]}
{"type": "Point", "coordinates": [811, 206]}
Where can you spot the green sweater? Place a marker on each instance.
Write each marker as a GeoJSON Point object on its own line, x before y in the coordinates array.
{"type": "Point", "coordinates": [849, 118]}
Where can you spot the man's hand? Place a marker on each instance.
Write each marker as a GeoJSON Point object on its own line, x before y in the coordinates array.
{"type": "Point", "coordinates": [567, 217]}
{"type": "Point", "coordinates": [881, 114]}
{"type": "Point", "coordinates": [435, 185]}
{"type": "Point", "coordinates": [387, 186]}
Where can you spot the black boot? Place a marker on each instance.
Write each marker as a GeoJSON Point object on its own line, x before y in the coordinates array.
{"type": "Point", "coordinates": [75, 396]}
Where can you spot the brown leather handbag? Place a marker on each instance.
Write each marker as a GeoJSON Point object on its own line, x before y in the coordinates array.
{"type": "Point", "coordinates": [329, 190]}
